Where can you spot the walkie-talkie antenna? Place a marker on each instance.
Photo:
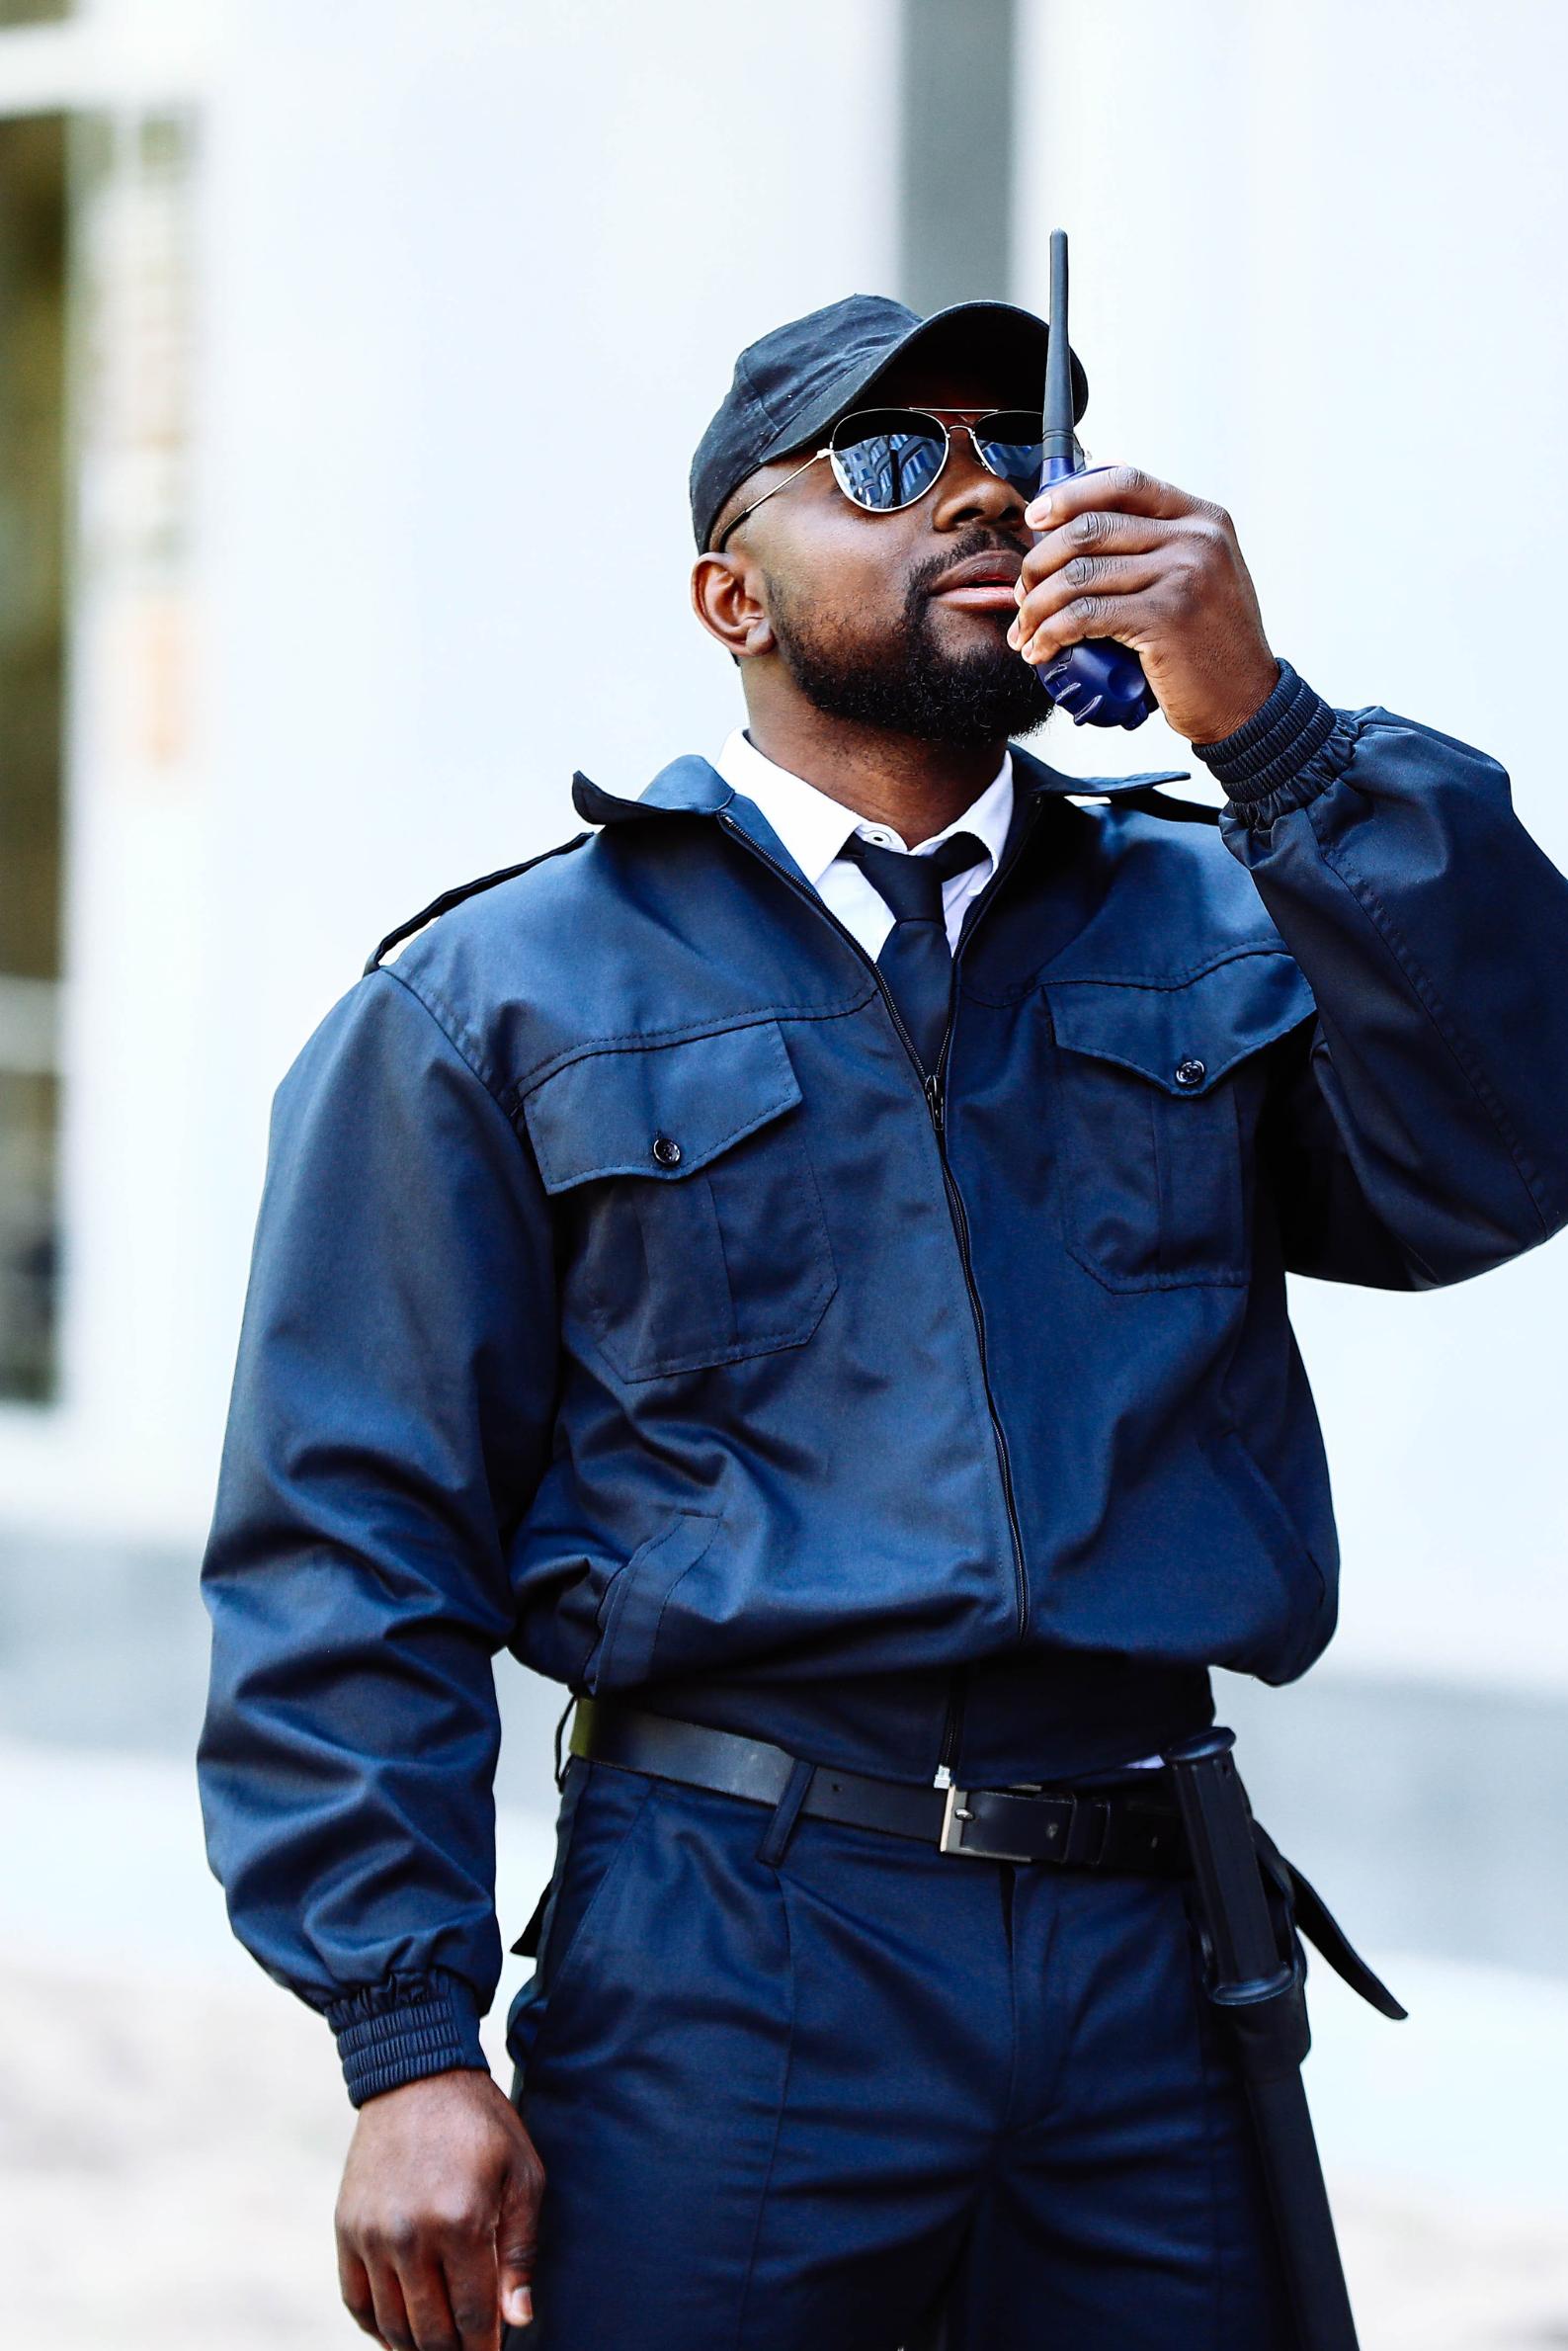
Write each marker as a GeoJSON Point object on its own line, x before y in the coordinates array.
{"type": "Point", "coordinates": [1100, 683]}
{"type": "Point", "coordinates": [1060, 439]}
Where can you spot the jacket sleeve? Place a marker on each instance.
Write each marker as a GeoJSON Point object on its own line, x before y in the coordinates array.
{"type": "Point", "coordinates": [391, 1419]}
{"type": "Point", "coordinates": [1417, 1131]}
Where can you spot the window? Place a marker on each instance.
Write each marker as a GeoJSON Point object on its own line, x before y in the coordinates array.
{"type": "Point", "coordinates": [32, 330]}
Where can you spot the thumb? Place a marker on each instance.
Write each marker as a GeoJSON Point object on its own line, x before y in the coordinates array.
{"type": "Point", "coordinates": [516, 2237]}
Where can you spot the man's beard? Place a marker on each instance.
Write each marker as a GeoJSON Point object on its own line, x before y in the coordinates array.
{"type": "Point", "coordinates": [908, 684]}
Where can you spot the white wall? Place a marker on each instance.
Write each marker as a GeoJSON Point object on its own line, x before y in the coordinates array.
{"type": "Point", "coordinates": [1291, 230]}
{"type": "Point", "coordinates": [470, 282]}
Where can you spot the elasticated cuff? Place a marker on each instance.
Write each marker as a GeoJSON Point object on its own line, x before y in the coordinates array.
{"type": "Point", "coordinates": [403, 2029]}
{"type": "Point", "coordinates": [1274, 745]}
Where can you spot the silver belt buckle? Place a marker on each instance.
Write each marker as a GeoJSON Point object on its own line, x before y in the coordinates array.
{"type": "Point", "coordinates": [949, 1838]}
{"type": "Point", "coordinates": [955, 1808]}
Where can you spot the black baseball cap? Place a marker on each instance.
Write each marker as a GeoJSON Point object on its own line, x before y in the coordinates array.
{"type": "Point", "coordinates": [795, 384]}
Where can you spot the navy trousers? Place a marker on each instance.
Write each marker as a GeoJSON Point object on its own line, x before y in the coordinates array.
{"type": "Point", "coordinates": [790, 2100]}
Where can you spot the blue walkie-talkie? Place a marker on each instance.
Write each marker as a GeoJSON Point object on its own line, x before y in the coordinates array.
{"type": "Point", "coordinates": [1101, 683]}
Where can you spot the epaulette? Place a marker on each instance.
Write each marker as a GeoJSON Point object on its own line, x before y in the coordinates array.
{"type": "Point", "coordinates": [1152, 802]}
{"type": "Point", "coordinates": [465, 890]}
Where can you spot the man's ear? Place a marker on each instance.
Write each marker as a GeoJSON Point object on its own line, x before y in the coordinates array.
{"type": "Point", "coordinates": [727, 597]}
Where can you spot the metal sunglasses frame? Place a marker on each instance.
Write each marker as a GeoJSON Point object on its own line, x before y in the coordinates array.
{"type": "Point", "coordinates": [830, 450]}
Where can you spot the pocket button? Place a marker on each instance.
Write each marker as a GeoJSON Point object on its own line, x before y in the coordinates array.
{"type": "Point", "coordinates": [1190, 1071]}
{"type": "Point", "coordinates": [666, 1151]}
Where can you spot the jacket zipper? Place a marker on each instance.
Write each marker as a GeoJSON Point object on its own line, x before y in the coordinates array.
{"type": "Point", "coordinates": [932, 1086]}
{"type": "Point", "coordinates": [952, 1725]}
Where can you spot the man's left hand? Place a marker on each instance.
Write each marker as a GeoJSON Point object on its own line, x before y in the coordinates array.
{"type": "Point", "coordinates": [1126, 556]}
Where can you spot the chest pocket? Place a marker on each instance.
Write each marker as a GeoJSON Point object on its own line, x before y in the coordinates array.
{"type": "Point", "coordinates": [695, 1232]}
{"type": "Point", "coordinates": [1158, 1091]}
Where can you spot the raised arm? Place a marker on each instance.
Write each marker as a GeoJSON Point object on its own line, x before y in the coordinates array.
{"type": "Point", "coordinates": [1418, 1130]}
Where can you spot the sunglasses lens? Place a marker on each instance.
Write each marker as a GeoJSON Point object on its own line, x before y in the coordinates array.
{"type": "Point", "coordinates": [1011, 445]}
{"type": "Point", "coordinates": [887, 457]}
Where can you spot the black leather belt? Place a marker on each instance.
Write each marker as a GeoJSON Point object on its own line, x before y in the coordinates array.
{"type": "Point", "coordinates": [1133, 1829]}
{"type": "Point", "coordinates": [1119, 1829]}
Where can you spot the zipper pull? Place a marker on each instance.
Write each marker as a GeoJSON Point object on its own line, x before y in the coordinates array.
{"type": "Point", "coordinates": [934, 1100]}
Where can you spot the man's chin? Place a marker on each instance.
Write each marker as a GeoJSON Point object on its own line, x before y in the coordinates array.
{"type": "Point", "coordinates": [949, 679]}
{"type": "Point", "coordinates": [991, 698]}
{"type": "Point", "coordinates": [974, 677]}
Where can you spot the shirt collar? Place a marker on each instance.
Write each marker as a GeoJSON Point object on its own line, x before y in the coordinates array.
{"type": "Point", "coordinates": [814, 827]}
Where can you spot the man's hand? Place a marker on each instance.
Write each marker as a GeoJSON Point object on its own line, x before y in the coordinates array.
{"type": "Point", "coordinates": [1130, 557]}
{"type": "Point", "coordinates": [437, 2215]}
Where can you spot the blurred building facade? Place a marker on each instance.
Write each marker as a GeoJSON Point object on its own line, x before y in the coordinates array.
{"type": "Point", "coordinates": [350, 362]}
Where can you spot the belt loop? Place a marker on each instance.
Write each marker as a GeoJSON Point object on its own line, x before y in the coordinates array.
{"type": "Point", "coordinates": [1089, 1833]}
{"type": "Point", "coordinates": [781, 1819]}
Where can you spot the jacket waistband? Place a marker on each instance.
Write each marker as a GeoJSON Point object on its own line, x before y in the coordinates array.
{"type": "Point", "coordinates": [1053, 1714]}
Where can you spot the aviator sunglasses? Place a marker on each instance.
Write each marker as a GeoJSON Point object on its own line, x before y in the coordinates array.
{"type": "Point", "coordinates": [884, 458]}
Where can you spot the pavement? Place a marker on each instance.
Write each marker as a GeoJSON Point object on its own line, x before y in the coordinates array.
{"type": "Point", "coordinates": [172, 2125]}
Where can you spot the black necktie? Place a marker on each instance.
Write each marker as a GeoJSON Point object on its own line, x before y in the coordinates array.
{"type": "Point", "coordinates": [916, 960]}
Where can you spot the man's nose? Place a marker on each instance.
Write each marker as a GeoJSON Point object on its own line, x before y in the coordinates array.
{"type": "Point", "coordinates": [970, 492]}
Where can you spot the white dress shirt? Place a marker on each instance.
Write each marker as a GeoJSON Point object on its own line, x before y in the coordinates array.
{"type": "Point", "coordinates": [814, 828]}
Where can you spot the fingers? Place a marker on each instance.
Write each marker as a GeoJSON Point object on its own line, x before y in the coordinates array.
{"type": "Point", "coordinates": [482, 2263]}
{"type": "Point", "coordinates": [1130, 620]}
{"type": "Point", "coordinates": [1125, 488]}
{"type": "Point", "coordinates": [1099, 601]}
{"type": "Point", "coordinates": [1095, 533]}
{"type": "Point", "coordinates": [425, 2290]}
{"type": "Point", "coordinates": [355, 2282]}
{"type": "Point", "coordinates": [392, 2324]}
{"type": "Point", "coordinates": [468, 2261]}
{"type": "Point", "coordinates": [517, 2237]}
{"type": "Point", "coordinates": [433, 2327]}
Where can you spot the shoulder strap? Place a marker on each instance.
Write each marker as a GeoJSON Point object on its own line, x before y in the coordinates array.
{"type": "Point", "coordinates": [466, 889]}
{"type": "Point", "coordinates": [1151, 802]}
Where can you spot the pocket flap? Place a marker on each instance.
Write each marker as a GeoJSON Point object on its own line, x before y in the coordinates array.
{"type": "Point", "coordinates": [1201, 1028]}
{"type": "Point", "coordinates": [659, 1110]}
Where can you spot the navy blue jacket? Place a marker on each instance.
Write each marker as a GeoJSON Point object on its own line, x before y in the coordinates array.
{"type": "Point", "coordinates": [620, 1298]}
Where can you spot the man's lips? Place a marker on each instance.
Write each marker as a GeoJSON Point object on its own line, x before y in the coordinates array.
{"type": "Point", "coordinates": [982, 584]}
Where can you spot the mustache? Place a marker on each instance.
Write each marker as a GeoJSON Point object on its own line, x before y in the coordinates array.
{"type": "Point", "coordinates": [929, 575]}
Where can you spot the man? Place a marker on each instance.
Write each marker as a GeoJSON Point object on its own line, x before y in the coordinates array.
{"type": "Point", "coordinates": [803, 1265]}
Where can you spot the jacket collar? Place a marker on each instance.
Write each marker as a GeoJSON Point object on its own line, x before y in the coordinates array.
{"type": "Point", "coordinates": [690, 787]}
